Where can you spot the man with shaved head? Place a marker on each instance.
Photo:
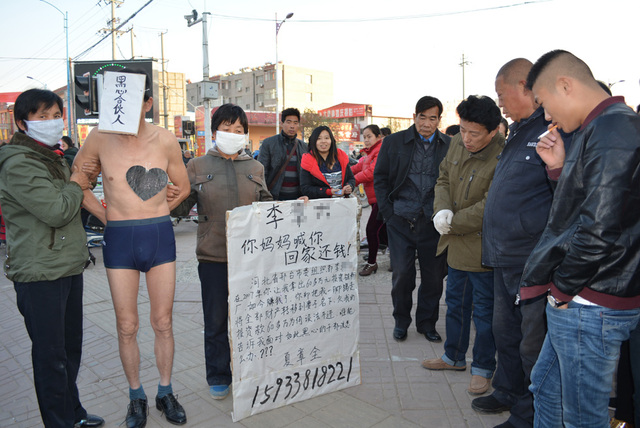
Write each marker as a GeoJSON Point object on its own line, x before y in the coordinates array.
{"type": "Point", "coordinates": [515, 214]}
{"type": "Point", "coordinates": [589, 253]}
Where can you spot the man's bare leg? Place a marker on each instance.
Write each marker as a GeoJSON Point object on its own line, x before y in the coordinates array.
{"type": "Point", "coordinates": [161, 283]}
{"type": "Point", "coordinates": [124, 285]}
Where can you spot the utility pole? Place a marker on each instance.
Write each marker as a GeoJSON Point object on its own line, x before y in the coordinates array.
{"type": "Point", "coordinates": [113, 22]}
{"type": "Point", "coordinates": [164, 83]}
{"type": "Point", "coordinates": [462, 64]}
{"type": "Point", "coordinates": [132, 35]}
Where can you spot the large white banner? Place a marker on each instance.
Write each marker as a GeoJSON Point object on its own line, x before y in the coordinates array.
{"type": "Point", "coordinates": [293, 302]}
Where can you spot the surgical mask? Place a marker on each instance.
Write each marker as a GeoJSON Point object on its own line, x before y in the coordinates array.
{"type": "Point", "coordinates": [230, 143]}
{"type": "Point", "coordinates": [47, 132]}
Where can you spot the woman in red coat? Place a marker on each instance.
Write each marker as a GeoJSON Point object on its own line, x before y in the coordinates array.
{"type": "Point", "coordinates": [363, 171]}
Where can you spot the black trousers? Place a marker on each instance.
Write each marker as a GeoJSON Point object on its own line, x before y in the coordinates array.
{"type": "Point", "coordinates": [52, 312]}
{"type": "Point", "coordinates": [519, 331]}
{"type": "Point", "coordinates": [215, 293]}
{"type": "Point", "coordinates": [404, 240]}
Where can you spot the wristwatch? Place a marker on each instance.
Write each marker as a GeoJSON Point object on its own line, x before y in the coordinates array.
{"type": "Point", "coordinates": [554, 302]}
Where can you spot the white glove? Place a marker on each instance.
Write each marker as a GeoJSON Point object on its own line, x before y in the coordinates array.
{"type": "Point", "coordinates": [442, 221]}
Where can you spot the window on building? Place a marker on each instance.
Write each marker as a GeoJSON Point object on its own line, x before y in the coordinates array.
{"type": "Point", "coordinates": [308, 78]}
{"type": "Point", "coordinates": [226, 84]}
{"type": "Point", "coordinates": [260, 81]}
{"type": "Point", "coordinates": [270, 94]}
{"type": "Point", "coordinates": [260, 100]}
{"type": "Point", "coordinates": [247, 107]}
{"type": "Point", "coordinates": [239, 85]}
{"type": "Point", "coordinates": [309, 97]}
{"type": "Point", "coordinates": [246, 89]}
{"type": "Point", "coordinates": [270, 75]}
{"type": "Point", "coordinates": [238, 100]}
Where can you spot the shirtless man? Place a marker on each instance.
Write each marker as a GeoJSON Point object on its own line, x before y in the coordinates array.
{"type": "Point", "coordinates": [139, 238]}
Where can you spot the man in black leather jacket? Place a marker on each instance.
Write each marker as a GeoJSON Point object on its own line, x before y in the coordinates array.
{"type": "Point", "coordinates": [589, 252]}
{"type": "Point", "coordinates": [404, 181]}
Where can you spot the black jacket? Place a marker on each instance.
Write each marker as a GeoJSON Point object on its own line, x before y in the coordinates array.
{"type": "Point", "coordinates": [519, 199]}
{"type": "Point", "coordinates": [393, 165]}
{"type": "Point", "coordinates": [313, 183]}
{"type": "Point", "coordinates": [273, 154]}
{"type": "Point", "coordinates": [591, 244]}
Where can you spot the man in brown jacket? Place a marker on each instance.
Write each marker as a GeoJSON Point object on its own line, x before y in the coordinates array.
{"type": "Point", "coordinates": [460, 194]}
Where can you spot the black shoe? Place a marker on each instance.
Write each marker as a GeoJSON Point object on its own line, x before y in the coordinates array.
{"type": "Point", "coordinates": [172, 410]}
{"type": "Point", "coordinates": [137, 413]}
{"type": "Point", "coordinates": [399, 334]}
{"type": "Point", "coordinates": [432, 336]}
{"type": "Point", "coordinates": [90, 421]}
{"type": "Point", "coordinates": [489, 405]}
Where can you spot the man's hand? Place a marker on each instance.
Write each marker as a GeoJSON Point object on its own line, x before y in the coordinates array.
{"type": "Point", "coordinates": [173, 192]}
{"type": "Point", "coordinates": [550, 148]}
{"type": "Point", "coordinates": [80, 178]}
{"type": "Point", "coordinates": [92, 169]}
{"type": "Point", "coordinates": [442, 221]}
{"type": "Point", "coordinates": [304, 199]}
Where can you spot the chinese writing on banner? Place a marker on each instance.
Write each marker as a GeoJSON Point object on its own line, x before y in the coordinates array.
{"type": "Point", "coordinates": [121, 102]}
{"type": "Point", "coordinates": [293, 302]}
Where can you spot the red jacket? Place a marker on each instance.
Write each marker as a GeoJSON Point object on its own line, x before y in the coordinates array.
{"type": "Point", "coordinates": [313, 183]}
{"type": "Point", "coordinates": [363, 170]}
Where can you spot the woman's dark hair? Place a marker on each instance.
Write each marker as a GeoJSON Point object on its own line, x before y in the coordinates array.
{"type": "Point", "coordinates": [332, 157]}
{"type": "Point", "coordinates": [30, 101]}
{"type": "Point", "coordinates": [68, 141]}
{"type": "Point", "coordinates": [229, 113]}
{"type": "Point", "coordinates": [375, 129]}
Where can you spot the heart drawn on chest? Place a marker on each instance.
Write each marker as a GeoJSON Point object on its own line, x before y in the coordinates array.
{"type": "Point", "coordinates": [146, 183]}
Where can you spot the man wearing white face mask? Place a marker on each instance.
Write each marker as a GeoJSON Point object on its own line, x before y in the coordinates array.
{"type": "Point", "coordinates": [46, 253]}
{"type": "Point", "coordinates": [225, 178]}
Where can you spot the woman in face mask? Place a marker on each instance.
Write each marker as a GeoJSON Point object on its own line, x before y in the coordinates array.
{"type": "Point", "coordinates": [223, 179]}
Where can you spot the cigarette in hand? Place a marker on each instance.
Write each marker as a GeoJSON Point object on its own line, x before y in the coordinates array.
{"type": "Point", "coordinates": [547, 132]}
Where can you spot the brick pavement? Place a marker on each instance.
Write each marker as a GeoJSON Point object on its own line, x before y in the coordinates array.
{"type": "Point", "coordinates": [395, 392]}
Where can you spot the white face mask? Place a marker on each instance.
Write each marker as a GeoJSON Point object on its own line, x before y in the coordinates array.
{"type": "Point", "coordinates": [47, 132]}
{"type": "Point", "coordinates": [230, 143]}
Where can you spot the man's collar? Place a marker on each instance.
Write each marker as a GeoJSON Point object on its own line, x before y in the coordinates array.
{"type": "Point", "coordinates": [600, 108]}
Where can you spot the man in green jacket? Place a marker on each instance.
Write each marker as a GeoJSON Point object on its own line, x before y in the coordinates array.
{"type": "Point", "coordinates": [46, 253]}
{"type": "Point", "coordinates": [460, 195]}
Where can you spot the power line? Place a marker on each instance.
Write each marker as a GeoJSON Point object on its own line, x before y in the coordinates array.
{"type": "Point", "coordinates": [386, 18]}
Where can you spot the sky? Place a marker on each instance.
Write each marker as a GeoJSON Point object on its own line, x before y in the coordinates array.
{"type": "Point", "coordinates": [384, 53]}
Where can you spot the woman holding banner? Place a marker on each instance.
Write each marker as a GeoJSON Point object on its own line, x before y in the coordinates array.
{"type": "Point", "coordinates": [223, 179]}
{"type": "Point", "coordinates": [325, 170]}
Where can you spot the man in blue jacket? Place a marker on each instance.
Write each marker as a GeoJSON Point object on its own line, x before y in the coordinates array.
{"type": "Point", "coordinates": [515, 214]}
{"type": "Point", "coordinates": [404, 181]}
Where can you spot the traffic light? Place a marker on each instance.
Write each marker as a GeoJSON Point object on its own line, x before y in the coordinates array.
{"type": "Point", "coordinates": [89, 99]}
{"type": "Point", "coordinates": [188, 127]}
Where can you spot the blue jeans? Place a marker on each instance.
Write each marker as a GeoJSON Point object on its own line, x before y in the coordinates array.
{"type": "Point", "coordinates": [571, 381]}
{"type": "Point", "coordinates": [467, 293]}
{"type": "Point", "coordinates": [215, 308]}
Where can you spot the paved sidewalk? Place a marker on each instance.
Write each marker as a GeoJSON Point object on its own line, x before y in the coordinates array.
{"type": "Point", "coordinates": [395, 392]}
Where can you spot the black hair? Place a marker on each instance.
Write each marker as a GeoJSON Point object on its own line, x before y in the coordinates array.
{"type": "Point", "coordinates": [332, 157]}
{"type": "Point", "coordinates": [425, 103]}
{"type": "Point", "coordinates": [229, 113]}
{"type": "Point", "coordinates": [385, 131]}
{"type": "Point", "coordinates": [289, 112]}
{"type": "Point", "coordinates": [638, 109]}
{"type": "Point", "coordinates": [31, 100]}
{"type": "Point", "coordinates": [375, 129]}
{"type": "Point", "coordinates": [147, 81]}
{"type": "Point", "coordinates": [506, 126]}
{"type": "Point", "coordinates": [480, 109]}
{"type": "Point", "coordinates": [452, 130]}
{"type": "Point", "coordinates": [68, 141]}
{"type": "Point", "coordinates": [578, 68]}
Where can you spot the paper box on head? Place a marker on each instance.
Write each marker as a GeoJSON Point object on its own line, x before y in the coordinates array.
{"type": "Point", "coordinates": [121, 102]}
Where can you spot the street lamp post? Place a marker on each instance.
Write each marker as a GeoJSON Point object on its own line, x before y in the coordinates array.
{"type": "Point", "coordinates": [44, 85]}
{"type": "Point", "coordinates": [66, 35]}
{"type": "Point", "coordinates": [278, 25]}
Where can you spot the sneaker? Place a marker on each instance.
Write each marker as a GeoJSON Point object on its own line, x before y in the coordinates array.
{"type": "Point", "coordinates": [440, 364]}
{"type": "Point", "coordinates": [479, 385]}
{"type": "Point", "coordinates": [171, 409]}
{"type": "Point", "coordinates": [219, 392]}
{"type": "Point", "coordinates": [489, 405]}
{"type": "Point", "coordinates": [137, 413]}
